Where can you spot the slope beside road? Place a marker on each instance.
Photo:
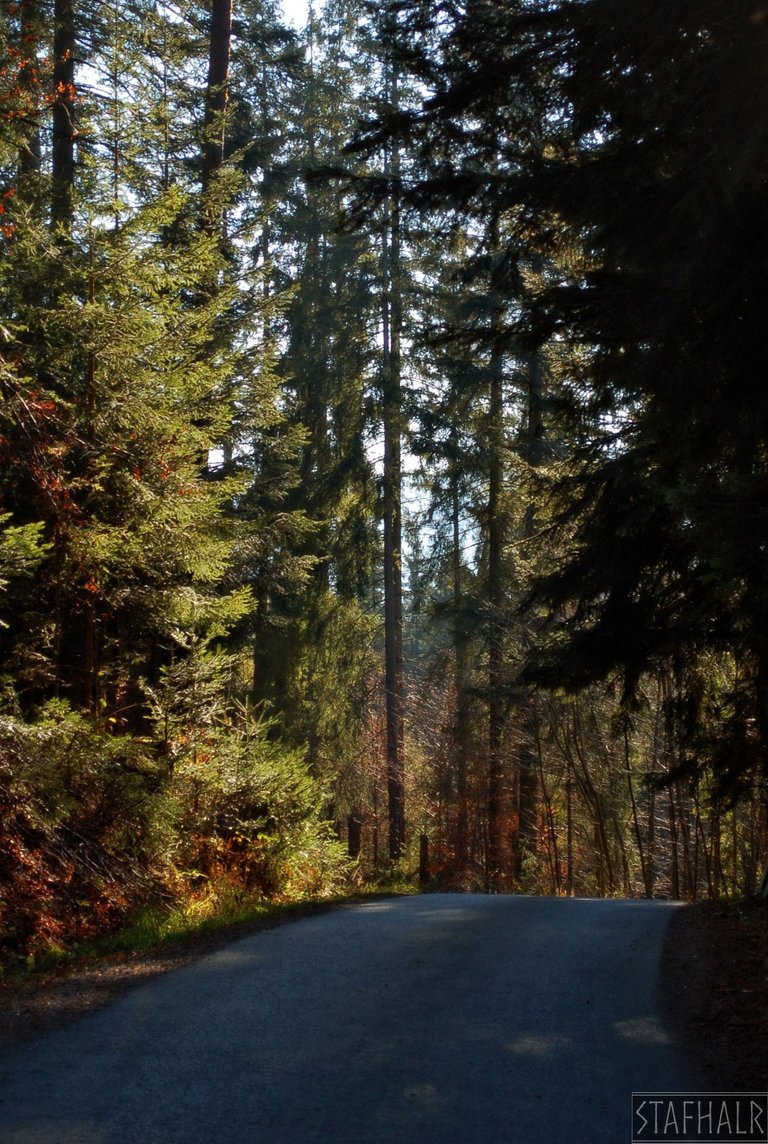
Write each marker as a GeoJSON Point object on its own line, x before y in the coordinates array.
{"type": "Point", "coordinates": [440, 1018]}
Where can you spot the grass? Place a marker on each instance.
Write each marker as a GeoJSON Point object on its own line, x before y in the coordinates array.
{"type": "Point", "coordinates": [158, 928]}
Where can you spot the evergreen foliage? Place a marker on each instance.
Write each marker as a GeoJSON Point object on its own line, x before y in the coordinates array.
{"type": "Point", "coordinates": [249, 278]}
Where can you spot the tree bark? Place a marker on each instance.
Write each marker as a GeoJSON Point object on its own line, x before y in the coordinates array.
{"type": "Point", "coordinates": [461, 849]}
{"type": "Point", "coordinates": [393, 588]}
{"type": "Point", "coordinates": [392, 488]}
{"type": "Point", "coordinates": [495, 601]}
{"type": "Point", "coordinates": [216, 94]}
{"type": "Point", "coordinates": [29, 26]}
{"type": "Point", "coordinates": [63, 113]}
{"type": "Point", "coordinates": [528, 713]}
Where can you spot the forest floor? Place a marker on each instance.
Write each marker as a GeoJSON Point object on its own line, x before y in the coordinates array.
{"type": "Point", "coordinates": [714, 992]}
{"type": "Point", "coordinates": [713, 983]}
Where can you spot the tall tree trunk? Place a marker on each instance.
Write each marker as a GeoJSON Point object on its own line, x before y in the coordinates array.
{"type": "Point", "coordinates": [30, 165]}
{"type": "Point", "coordinates": [497, 808]}
{"type": "Point", "coordinates": [29, 26]}
{"type": "Point", "coordinates": [393, 583]}
{"type": "Point", "coordinates": [460, 652]}
{"type": "Point", "coordinates": [63, 112]}
{"type": "Point", "coordinates": [569, 828]}
{"type": "Point", "coordinates": [213, 217]}
{"type": "Point", "coordinates": [595, 803]}
{"type": "Point", "coordinates": [529, 718]}
{"type": "Point", "coordinates": [647, 887]}
{"type": "Point", "coordinates": [214, 123]}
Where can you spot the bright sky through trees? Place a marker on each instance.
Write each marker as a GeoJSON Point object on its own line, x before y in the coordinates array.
{"type": "Point", "coordinates": [295, 12]}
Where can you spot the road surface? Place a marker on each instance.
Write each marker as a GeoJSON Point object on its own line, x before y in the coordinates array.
{"type": "Point", "coordinates": [442, 1019]}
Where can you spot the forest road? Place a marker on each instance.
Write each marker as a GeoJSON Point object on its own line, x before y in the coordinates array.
{"type": "Point", "coordinates": [435, 1019]}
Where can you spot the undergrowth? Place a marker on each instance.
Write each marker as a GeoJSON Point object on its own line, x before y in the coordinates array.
{"type": "Point", "coordinates": [163, 926]}
{"type": "Point", "coordinates": [105, 837]}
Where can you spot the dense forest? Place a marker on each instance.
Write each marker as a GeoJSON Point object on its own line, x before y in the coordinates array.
{"type": "Point", "coordinates": [383, 452]}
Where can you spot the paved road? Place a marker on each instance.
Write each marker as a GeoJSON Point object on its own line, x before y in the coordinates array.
{"type": "Point", "coordinates": [443, 1019]}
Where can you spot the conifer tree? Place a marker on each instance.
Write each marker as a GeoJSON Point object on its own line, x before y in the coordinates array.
{"type": "Point", "coordinates": [608, 188]}
{"type": "Point", "coordinates": [312, 651]}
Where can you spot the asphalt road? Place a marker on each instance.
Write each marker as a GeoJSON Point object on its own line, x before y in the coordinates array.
{"type": "Point", "coordinates": [443, 1019]}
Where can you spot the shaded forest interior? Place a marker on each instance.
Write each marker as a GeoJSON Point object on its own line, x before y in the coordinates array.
{"type": "Point", "coordinates": [383, 452]}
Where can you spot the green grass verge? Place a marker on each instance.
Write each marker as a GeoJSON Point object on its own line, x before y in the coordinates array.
{"type": "Point", "coordinates": [157, 929]}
